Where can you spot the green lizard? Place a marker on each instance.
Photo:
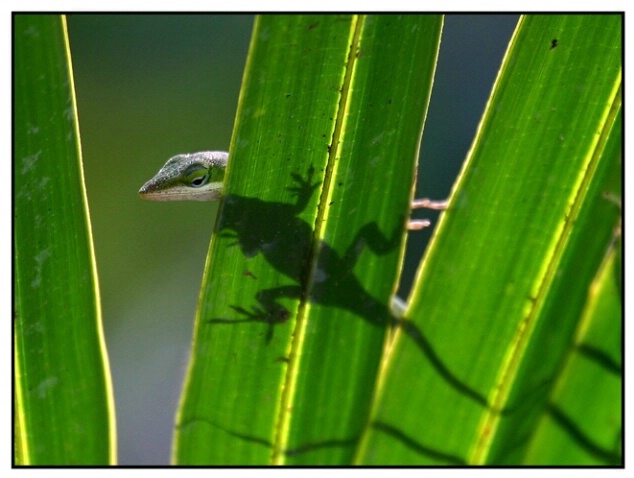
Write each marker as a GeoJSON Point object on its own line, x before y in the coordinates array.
{"type": "Point", "coordinates": [199, 177]}
{"type": "Point", "coordinates": [188, 177]}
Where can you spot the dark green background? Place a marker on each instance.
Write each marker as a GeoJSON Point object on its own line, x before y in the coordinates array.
{"type": "Point", "coordinates": [152, 86]}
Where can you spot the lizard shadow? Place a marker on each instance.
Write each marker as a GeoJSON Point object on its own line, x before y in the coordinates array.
{"type": "Point", "coordinates": [275, 231]}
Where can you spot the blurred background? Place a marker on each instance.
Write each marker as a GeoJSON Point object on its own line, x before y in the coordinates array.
{"type": "Point", "coordinates": [151, 86]}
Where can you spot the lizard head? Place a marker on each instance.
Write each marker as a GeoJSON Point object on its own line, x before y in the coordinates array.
{"type": "Point", "coordinates": [188, 177]}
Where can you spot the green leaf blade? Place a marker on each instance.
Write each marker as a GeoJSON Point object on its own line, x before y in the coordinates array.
{"type": "Point", "coordinates": [261, 388]}
{"type": "Point", "coordinates": [480, 297]}
{"type": "Point", "coordinates": [361, 236]}
{"type": "Point", "coordinates": [230, 408]}
{"type": "Point", "coordinates": [64, 410]}
{"type": "Point", "coordinates": [591, 375]}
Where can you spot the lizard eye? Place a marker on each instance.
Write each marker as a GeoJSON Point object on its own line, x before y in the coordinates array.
{"type": "Point", "coordinates": [199, 181]}
{"type": "Point", "coordinates": [196, 176]}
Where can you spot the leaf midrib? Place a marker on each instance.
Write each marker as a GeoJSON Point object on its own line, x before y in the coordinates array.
{"type": "Point", "coordinates": [290, 381]}
{"type": "Point", "coordinates": [510, 367]}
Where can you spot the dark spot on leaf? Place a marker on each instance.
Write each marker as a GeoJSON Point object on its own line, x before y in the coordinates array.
{"type": "Point", "coordinates": [313, 25]}
{"type": "Point", "coordinates": [249, 274]}
{"type": "Point", "coordinates": [553, 43]}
